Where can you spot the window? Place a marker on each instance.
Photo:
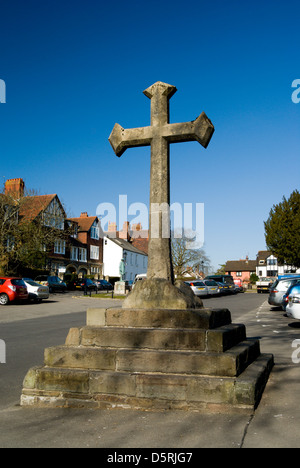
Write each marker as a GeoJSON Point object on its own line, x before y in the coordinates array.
{"type": "Point", "coordinates": [238, 273]}
{"type": "Point", "coordinates": [60, 247]}
{"type": "Point", "coordinates": [74, 253]}
{"type": "Point", "coordinates": [95, 231]}
{"type": "Point", "coordinates": [82, 255]}
{"type": "Point", "coordinates": [272, 272]}
{"type": "Point", "coordinates": [94, 252]}
{"type": "Point", "coordinates": [272, 261]}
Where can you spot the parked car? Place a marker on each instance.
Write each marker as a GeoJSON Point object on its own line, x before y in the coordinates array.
{"type": "Point", "coordinates": [36, 291]}
{"type": "Point", "coordinates": [104, 285]}
{"type": "Point", "coordinates": [199, 288]}
{"type": "Point", "coordinates": [53, 282]}
{"type": "Point", "coordinates": [293, 305]}
{"type": "Point", "coordinates": [12, 289]}
{"type": "Point", "coordinates": [224, 288]}
{"type": "Point", "coordinates": [279, 288]}
{"type": "Point", "coordinates": [285, 298]}
{"type": "Point", "coordinates": [139, 277]}
{"type": "Point", "coordinates": [226, 280]}
{"type": "Point", "coordinates": [212, 286]}
{"type": "Point", "coordinates": [85, 284]}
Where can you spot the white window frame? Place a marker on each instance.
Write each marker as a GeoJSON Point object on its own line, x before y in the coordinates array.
{"type": "Point", "coordinates": [94, 252]}
{"type": "Point", "coordinates": [95, 231]}
{"type": "Point", "coordinates": [74, 254]}
{"type": "Point", "coordinates": [82, 255]}
{"type": "Point", "coordinates": [60, 247]}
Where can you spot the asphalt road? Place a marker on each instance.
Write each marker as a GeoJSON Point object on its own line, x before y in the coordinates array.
{"type": "Point", "coordinates": [27, 330]}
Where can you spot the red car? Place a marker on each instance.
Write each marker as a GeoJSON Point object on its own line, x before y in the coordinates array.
{"type": "Point", "coordinates": [12, 289]}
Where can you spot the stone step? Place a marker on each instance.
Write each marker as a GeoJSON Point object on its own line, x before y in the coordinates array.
{"type": "Point", "coordinates": [60, 387]}
{"type": "Point", "coordinates": [158, 318]}
{"type": "Point", "coordinates": [229, 363]}
{"type": "Point", "coordinates": [217, 340]}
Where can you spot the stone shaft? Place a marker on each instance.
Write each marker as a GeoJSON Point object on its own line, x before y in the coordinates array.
{"type": "Point", "coordinates": [159, 135]}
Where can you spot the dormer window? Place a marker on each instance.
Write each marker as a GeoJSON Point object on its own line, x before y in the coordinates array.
{"type": "Point", "coordinates": [95, 231]}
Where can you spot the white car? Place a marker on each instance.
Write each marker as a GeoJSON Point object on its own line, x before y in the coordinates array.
{"type": "Point", "coordinates": [293, 306]}
{"type": "Point", "coordinates": [36, 291]}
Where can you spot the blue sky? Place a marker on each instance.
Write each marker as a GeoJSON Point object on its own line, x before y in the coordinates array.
{"type": "Point", "coordinates": [74, 68]}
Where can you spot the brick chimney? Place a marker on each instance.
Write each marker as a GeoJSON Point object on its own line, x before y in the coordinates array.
{"type": "Point", "coordinates": [124, 234]}
{"type": "Point", "coordinates": [84, 215]}
{"type": "Point", "coordinates": [15, 188]}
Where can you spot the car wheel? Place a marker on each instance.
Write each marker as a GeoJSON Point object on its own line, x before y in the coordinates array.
{"type": "Point", "coordinates": [4, 299]}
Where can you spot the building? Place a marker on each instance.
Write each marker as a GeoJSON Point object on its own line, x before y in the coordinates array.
{"type": "Point", "coordinates": [117, 251]}
{"type": "Point", "coordinates": [75, 244]}
{"type": "Point", "coordinates": [240, 270]}
{"type": "Point", "coordinates": [86, 247]}
{"type": "Point", "coordinates": [267, 265]}
{"type": "Point", "coordinates": [128, 247]}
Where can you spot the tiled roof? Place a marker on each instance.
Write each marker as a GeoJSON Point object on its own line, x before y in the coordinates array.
{"type": "Point", "coordinates": [84, 224]}
{"type": "Point", "coordinates": [240, 265]}
{"type": "Point", "coordinates": [141, 244]}
{"type": "Point", "coordinates": [31, 207]}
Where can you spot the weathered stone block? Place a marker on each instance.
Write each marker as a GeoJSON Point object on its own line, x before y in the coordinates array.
{"type": "Point", "coordinates": [224, 338]}
{"type": "Point", "coordinates": [230, 363]}
{"type": "Point", "coordinates": [80, 357]}
{"type": "Point", "coordinates": [62, 380]}
{"type": "Point", "coordinates": [143, 338]}
{"type": "Point", "coordinates": [96, 317]}
{"type": "Point", "coordinates": [112, 383]}
{"type": "Point", "coordinates": [166, 318]}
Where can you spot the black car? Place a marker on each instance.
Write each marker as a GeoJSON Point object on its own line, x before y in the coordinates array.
{"type": "Point", "coordinates": [54, 283]}
{"type": "Point", "coordinates": [85, 284]}
{"type": "Point", "coordinates": [104, 285]}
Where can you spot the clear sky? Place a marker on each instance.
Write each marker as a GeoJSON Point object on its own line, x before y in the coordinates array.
{"type": "Point", "coordinates": [73, 68]}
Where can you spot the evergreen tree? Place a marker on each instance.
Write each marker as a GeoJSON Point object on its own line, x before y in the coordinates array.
{"type": "Point", "coordinates": [282, 230]}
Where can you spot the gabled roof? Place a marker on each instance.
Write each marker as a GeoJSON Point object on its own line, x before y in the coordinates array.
{"type": "Point", "coordinates": [127, 246]}
{"type": "Point", "coordinates": [31, 207]}
{"type": "Point", "coordinates": [84, 223]}
{"type": "Point", "coordinates": [263, 255]}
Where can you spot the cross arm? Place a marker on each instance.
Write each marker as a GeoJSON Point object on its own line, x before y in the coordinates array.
{"type": "Point", "coordinates": [200, 130]}
{"type": "Point", "coordinates": [121, 139]}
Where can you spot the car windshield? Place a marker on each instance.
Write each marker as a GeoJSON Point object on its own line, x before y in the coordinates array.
{"type": "Point", "coordinates": [210, 283]}
{"type": "Point", "coordinates": [197, 283]}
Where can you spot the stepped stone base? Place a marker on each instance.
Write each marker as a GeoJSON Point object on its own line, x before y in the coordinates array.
{"type": "Point", "coordinates": [152, 360]}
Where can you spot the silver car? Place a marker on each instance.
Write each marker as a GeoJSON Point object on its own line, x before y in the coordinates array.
{"type": "Point", "coordinates": [212, 286]}
{"type": "Point", "coordinates": [278, 290]}
{"type": "Point", "coordinates": [199, 288]}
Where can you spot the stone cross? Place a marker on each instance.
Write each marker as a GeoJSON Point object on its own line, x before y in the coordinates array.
{"type": "Point", "coordinates": [159, 135]}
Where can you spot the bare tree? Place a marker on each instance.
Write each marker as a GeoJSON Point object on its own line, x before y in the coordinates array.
{"type": "Point", "coordinates": [187, 260]}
